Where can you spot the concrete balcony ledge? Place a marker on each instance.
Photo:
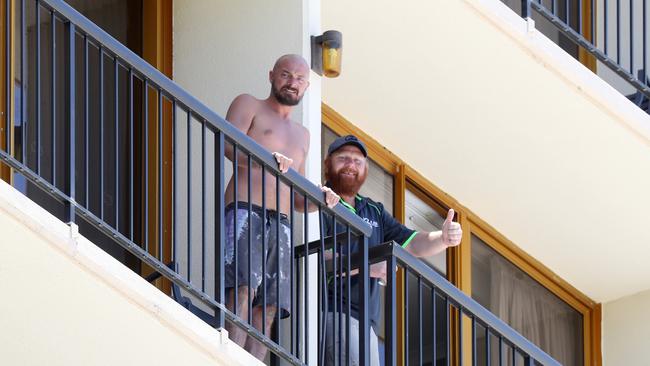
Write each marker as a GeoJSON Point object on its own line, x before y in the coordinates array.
{"type": "Point", "coordinates": [575, 74]}
{"type": "Point", "coordinates": [67, 302]}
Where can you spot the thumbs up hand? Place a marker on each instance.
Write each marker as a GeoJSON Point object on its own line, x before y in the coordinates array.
{"type": "Point", "coordinates": [451, 231]}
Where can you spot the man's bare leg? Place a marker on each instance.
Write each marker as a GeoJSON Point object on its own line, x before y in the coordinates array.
{"type": "Point", "coordinates": [235, 333]}
{"type": "Point", "coordinates": [254, 347]}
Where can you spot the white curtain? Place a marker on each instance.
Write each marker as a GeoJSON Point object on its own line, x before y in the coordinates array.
{"type": "Point", "coordinates": [531, 310]}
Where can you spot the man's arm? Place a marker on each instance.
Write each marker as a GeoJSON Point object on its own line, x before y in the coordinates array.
{"type": "Point", "coordinates": [418, 244]}
{"type": "Point", "coordinates": [434, 242]}
{"type": "Point", "coordinates": [331, 198]}
{"type": "Point", "coordinates": [240, 114]}
{"type": "Point", "coordinates": [377, 270]}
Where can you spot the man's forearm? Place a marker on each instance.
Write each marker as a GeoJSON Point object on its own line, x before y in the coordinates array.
{"type": "Point", "coordinates": [426, 244]}
{"type": "Point", "coordinates": [242, 158]}
{"type": "Point", "coordinates": [299, 202]}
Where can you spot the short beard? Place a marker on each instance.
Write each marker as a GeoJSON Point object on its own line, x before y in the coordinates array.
{"type": "Point", "coordinates": [343, 186]}
{"type": "Point", "coordinates": [284, 99]}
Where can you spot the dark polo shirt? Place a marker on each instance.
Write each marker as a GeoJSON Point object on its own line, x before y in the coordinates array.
{"type": "Point", "coordinates": [384, 228]}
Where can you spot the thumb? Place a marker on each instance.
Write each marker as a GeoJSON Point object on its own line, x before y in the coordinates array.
{"type": "Point", "coordinates": [450, 215]}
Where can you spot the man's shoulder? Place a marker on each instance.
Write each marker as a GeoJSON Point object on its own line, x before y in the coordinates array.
{"type": "Point", "coordinates": [243, 108]}
{"type": "Point", "coordinates": [372, 204]}
{"type": "Point", "coordinates": [246, 99]}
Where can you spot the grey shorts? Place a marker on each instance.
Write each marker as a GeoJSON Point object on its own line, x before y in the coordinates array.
{"type": "Point", "coordinates": [262, 251]}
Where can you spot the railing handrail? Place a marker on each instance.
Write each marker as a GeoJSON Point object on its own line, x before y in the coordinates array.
{"type": "Point", "coordinates": [469, 305]}
{"type": "Point", "coordinates": [212, 118]}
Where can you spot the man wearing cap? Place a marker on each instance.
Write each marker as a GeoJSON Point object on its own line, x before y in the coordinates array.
{"type": "Point", "coordinates": [346, 169]}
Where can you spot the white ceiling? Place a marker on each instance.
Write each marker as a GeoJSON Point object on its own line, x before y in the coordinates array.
{"type": "Point", "coordinates": [508, 125]}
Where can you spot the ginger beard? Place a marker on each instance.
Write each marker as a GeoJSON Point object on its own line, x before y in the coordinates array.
{"type": "Point", "coordinates": [347, 181]}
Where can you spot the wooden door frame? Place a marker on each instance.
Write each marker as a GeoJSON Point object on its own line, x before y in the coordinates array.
{"type": "Point", "coordinates": [157, 50]}
{"type": "Point", "coordinates": [585, 57]}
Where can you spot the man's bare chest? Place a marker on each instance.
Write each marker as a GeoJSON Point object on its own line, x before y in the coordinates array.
{"type": "Point", "coordinates": [284, 137]}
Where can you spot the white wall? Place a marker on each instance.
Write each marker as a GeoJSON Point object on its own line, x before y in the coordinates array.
{"type": "Point", "coordinates": [66, 302]}
{"type": "Point", "coordinates": [504, 121]}
{"type": "Point", "coordinates": [223, 48]}
{"type": "Point", "coordinates": [626, 331]}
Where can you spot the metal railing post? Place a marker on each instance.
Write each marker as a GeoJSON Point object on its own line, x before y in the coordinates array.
{"type": "Point", "coordinates": [525, 9]}
{"type": "Point", "coordinates": [8, 79]}
{"type": "Point", "coordinates": [71, 96]}
{"type": "Point", "coordinates": [364, 292]}
{"type": "Point", "coordinates": [391, 311]}
{"type": "Point", "coordinates": [220, 228]}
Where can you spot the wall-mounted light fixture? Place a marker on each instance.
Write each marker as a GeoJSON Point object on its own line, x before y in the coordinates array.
{"type": "Point", "coordinates": [326, 53]}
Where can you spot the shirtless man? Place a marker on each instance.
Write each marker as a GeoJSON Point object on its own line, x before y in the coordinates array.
{"type": "Point", "coordinates": [267, 122]}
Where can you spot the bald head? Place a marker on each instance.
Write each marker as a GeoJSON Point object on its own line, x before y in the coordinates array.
{"type": "Point", "coordinates": [290, 60]}
{"type": "Point", "coordinates": [289, 79]}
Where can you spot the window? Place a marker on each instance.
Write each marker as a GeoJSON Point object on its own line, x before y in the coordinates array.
{"type": "Point", "coordinates": [526, 305]}
{"type": "Point", "coordinates": [423, 217]}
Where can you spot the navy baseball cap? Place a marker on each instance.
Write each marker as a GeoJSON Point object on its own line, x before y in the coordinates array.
{"type": "Point", "coordinates": [347, 140]}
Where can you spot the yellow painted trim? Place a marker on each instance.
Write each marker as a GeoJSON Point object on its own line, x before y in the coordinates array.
{"type": "Point", "coordinates": [5, 170]}
{"type": "Point", "coordinates": [595, 337]}
{"type": "Point", "coordinates": [399, 185]}
{"type": "Point", "coordinates": [376, 151]}
{"type": "Point", "coordinates": [157, 50]}
{"type": "Point", "coordinates": [583, 56]}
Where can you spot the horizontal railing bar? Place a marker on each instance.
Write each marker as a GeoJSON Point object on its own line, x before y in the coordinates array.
{"type": "Point", "coordinates": [464, 302]}
{"type": "Point", "coordinates": [147, 258]}
{"type": "Point", "coordinates": [314, 247]}
{"type": "Point", "coordinates": [39, 181]}
{"type": "Point", "coordinates": [181, 95]}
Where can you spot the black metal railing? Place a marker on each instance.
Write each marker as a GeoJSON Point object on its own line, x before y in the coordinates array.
{"type": "Point", "coordinates": [613, 32]}
{"type": "Point", "coordinates": [105, 141]}
{"type": "Point", "coordinates": [441, 324]}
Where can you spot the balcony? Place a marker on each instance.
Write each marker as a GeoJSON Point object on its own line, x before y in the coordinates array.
{"type": "Point", "coordinates": [109, 145]}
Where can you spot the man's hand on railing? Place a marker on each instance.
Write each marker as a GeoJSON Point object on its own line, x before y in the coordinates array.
{"type": "Point", "coordinates": [284, 163]}
{"type": "Point", "coordinates": [331, 198]}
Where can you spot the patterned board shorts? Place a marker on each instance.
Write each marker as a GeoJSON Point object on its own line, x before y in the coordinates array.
{"type": "Point", "coordinates": [267, 253]}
